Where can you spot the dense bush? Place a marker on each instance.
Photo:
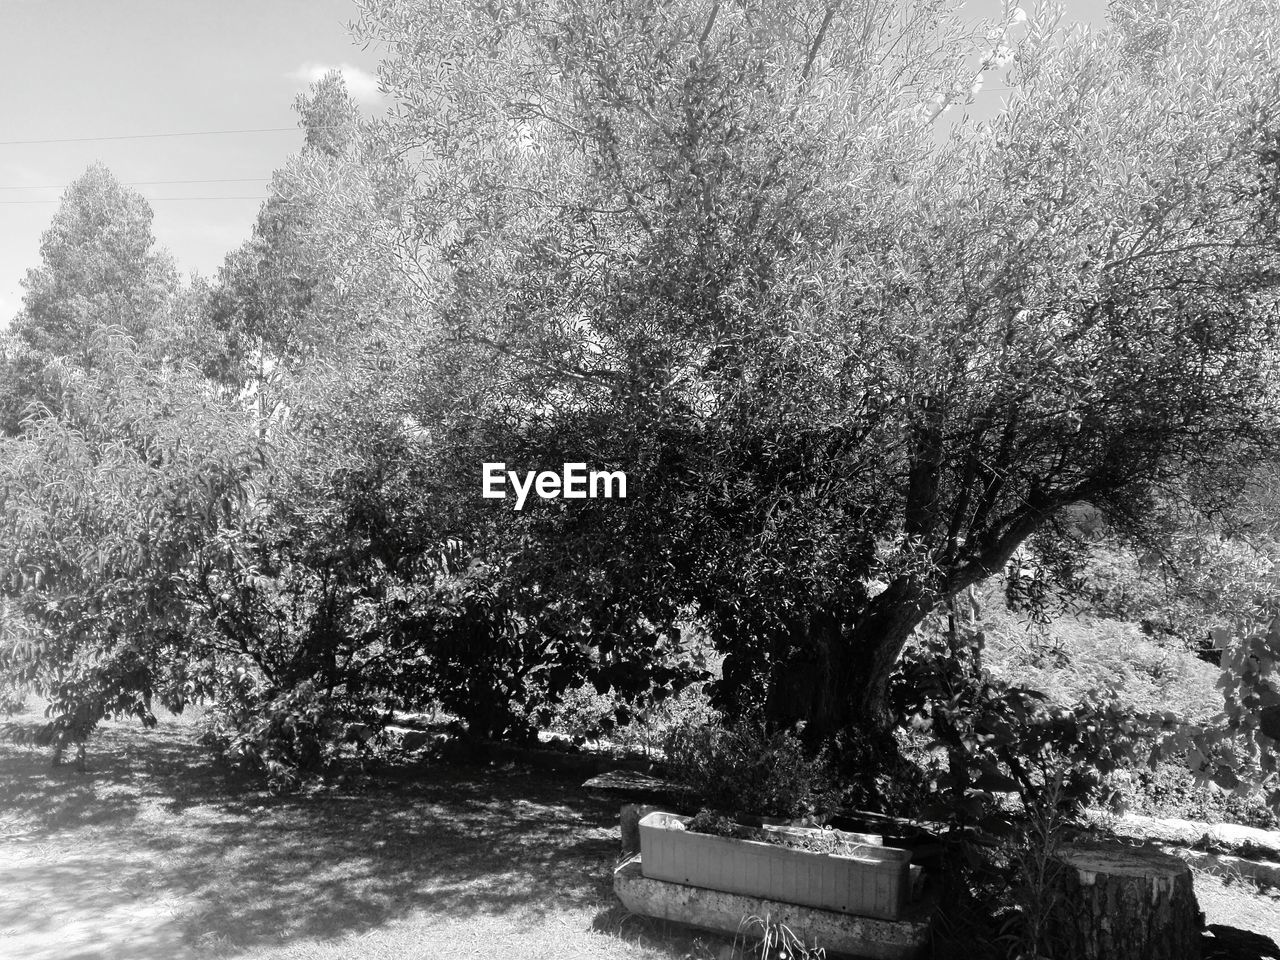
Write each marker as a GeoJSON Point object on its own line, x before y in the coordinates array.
{"type": "Point", "coordinates": [286, 736]}
{"type": "Point", "coordinates": [984, 740]}
{"type": "Point", "coordinates": [1074, 654]}
{"type": "Point", "coordinates": [1171, 790]}
{"type": "Point", "coordinates": [743, 769]}
{"type": "Point", "coordinates": [636, 724]}
{"type": "Point", "coordinates": [584, 714]}
{"type": "Point", "coordinates": [1182, 590]}
{"type": "Point", "coordinates": [115, 517]}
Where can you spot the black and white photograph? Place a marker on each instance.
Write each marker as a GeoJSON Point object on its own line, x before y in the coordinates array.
{"type": "Point", "coordinates": [640, 480]}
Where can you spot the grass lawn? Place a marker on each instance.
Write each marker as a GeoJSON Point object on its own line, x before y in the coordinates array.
{"type": "Point", "coordinates": [151, 855]}
{"type": "Point", "coordinates": [1240, 904]}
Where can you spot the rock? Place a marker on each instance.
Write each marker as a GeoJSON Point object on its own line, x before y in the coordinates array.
{"type": "Point", "coordinates": [1248, 841]}
{"type": "Point", "coordinates": [633, 786]}
{"type": "Point", "coordinates": [1224, 865]}
{"type": "Point", "coordinates": [629, 825]}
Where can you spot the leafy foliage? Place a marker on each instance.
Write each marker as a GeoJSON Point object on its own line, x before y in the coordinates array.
{"type": "Point", "coordinates": [741, 769]}
{"type": "Point", "coordinates": [1171, 790]}
{"type": "Point", "coordinates": [724, 249]}
{"type": "Point", "coordinates": [112, 515]}
{"type": "Point", "coordinates": [998, 739]}
{"type": "Point", "coordinates": [1078, 653]}
{"type": "Point", "coordinates": [297, 732]}
{"type": "Point", "coordinates": [1238, 750]}
{"type": "Point", "coordinates": [310, 282]}
{"type": "Point", "coordinates": [23, 386]}
{"type": "Point", "coordinates": [99, 270]}
{"type": "Point", "coordinates": [12, 698]}
{"type": "Point", "coordinates": [640, 723]}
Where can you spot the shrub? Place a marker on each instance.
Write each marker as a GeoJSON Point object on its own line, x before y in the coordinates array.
{"type": "Point", "coordinates": [1073, 655]}
{"type": "Point", "coordinates": [639, 725]}
{"type": "Point", "coordinates": [1171, 790]}
{"type": "Point", "coordinates": [1034, 870]}
{"type": "Point", "coordinates": [1000, 744]}
{"type": "Point", "coordinates": [652, 722]}
{"type": "Point", "coordinates": [285, 736]}
{"type": "Point", "coordinates": [776, 940]}
{"type": "Point", "coordinates": [746, 770]}
{"type": "Point", "coordinates": [585, 714]}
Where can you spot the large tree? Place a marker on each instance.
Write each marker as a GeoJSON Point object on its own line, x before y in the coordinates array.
{"type": "Point", "coordinates": [100, 268]}
{"type": "Point", "coordinates": [116, 512]}
{"type": "Point", "coordinates": [850, 361]}
{"type": "Point", "coordinates": [157, 535]}
{"type": "Point", "coordinates": [308, 281]}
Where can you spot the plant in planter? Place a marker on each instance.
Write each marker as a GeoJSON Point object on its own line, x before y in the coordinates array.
{"type": "Point", "coordinates": [745, 776]}
{"type": "Point", "coordinates": [796, 838]}
{"type": "Point", "coordinates": [741, 769]}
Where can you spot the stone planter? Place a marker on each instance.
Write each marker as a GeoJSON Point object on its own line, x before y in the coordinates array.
{"type": "Point", "coordinates": [874, 881]}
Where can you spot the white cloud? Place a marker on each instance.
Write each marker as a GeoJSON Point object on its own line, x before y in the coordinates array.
{"type": "Point", "coordinates": [362, 85]}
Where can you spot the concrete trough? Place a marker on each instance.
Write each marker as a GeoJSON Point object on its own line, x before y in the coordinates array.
{"type": "Point", "coordinates": [868, 879]}
{"type": "Point", "coordinates": [844, 934]}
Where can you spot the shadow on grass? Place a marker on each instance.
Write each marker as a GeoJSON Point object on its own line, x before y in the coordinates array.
{"type": "Point", "coordinates": [1224, 942]}
{"type": "Point", "coordinates": [153, 821]}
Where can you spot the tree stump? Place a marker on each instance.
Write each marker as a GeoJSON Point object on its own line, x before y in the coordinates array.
{"type": "Point", "coordinates": [1115, 902]}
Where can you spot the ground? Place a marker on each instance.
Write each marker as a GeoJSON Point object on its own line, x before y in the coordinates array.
{"type": "Point", "coordinates": [153, 855]}
{"type": "Point", "coordinates": [1240, 904]}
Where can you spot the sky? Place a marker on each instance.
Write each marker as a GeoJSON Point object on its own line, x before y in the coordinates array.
{"type": "Point", "coordinates": [82, 70]}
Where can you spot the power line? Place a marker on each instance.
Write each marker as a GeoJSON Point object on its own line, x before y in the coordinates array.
{"type": "Point", "coordinates": [12, 203]}
{"type": "Point", "coordinates": [150, 136]}
{"type": "Point", "coordinates": [141, 183]}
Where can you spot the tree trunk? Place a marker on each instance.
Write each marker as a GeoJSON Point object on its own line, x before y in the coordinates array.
{"type": "Point", "coordinates": [853, 675]}
{"type": "Point", "coordinates": [802, 665]}
{"type": "Point", "coordinates": [874, 645]}
{"type": "Point", "coordinates": [834, 676]}
{"type": "Point", "coordinates": [1115, 902]}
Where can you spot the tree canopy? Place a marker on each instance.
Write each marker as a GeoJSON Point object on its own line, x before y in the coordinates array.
{"type": "Point", "coordinates": [100, 269]}
{"type": "Point", "coordinates": [849, 362]}
{"type": "Point", "coordinates": [853, 352]}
